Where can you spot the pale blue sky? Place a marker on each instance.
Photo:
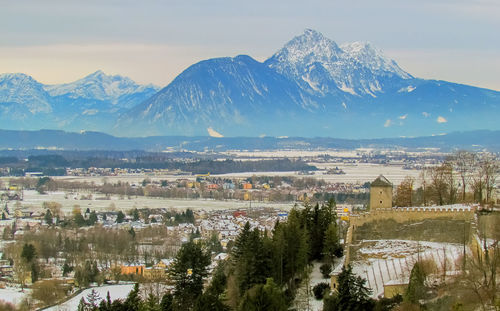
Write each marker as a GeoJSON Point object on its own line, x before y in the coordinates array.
{"type": "Point", "coordinates": [154, 40]}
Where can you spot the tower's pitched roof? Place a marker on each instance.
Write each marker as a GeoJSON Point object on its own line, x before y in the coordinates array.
{"type": "Point", "coordinates": [381, 181]}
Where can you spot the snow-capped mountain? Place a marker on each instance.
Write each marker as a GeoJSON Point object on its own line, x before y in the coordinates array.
{"type": "Point", "coordinates": [21, 92]}
{"type": "Point", "coordinates": [310, 87]}
{"type": "Point", "coordinates": [92, 102]}
{"type": "Point", "coordinates": [318, 65]}
{"type": "Point", "coordinates": [102, 87]}
{"type": "Point", "coordinates": [222, 94]}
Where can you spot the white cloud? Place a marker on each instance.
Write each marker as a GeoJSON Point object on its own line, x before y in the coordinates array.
{"type": "Point", "coordinates": [388, 123]}
{"type": "Point", "coordinates": [426, 114]}
{"type": "Point", "coordinates": [441, 119]}
{"type": "Point", "coordinates": [403, 117]}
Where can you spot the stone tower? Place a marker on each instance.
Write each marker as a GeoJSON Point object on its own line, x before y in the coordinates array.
{"type": "Point", "coordinates": [380, 193]}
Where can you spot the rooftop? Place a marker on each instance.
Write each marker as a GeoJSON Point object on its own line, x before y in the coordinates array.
{"type": "Point", "coordinates": [381, 181]}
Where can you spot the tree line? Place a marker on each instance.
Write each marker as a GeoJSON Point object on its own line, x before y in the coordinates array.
{"type": "Point", "coordinates": [55, 165]}
{"type": "Point", "coordinates": [464, 177]}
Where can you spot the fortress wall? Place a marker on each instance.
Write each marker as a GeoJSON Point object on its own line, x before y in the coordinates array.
{"type": "Point", "coordinates": [402, 215]}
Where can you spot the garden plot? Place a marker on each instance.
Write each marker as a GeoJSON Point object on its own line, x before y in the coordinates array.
{"type": "Point", "coordinates": [382, 261]}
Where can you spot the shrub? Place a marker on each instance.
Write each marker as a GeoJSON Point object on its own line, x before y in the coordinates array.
{"type": "Point", "coordinates": [319, 290]}
{"type": "Point", "coordinates": [326, 269]}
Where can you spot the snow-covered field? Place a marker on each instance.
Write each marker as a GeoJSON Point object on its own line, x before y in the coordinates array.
{"type": "Point", "coordinates": [13, 295]}
{"type": "Point", "coordinates": [392, 260]}
{"type": "Point", "coordinates": [115, 292]}
{"type": "Point", "coordinates": [294, 153]}
{"type": "Point", "coordinates": [355, 173]}
{"type": "Point", "coordinates": [34, 199]}
{"type": "Point", "coordinates": [363, 172]}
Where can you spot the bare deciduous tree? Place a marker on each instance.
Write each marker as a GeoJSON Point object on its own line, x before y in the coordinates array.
{"type": "Point", "coordinates": [464, 163]}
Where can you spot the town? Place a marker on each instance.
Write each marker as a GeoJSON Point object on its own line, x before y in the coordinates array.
{"type": "Point", "coordinates": [104, 230]}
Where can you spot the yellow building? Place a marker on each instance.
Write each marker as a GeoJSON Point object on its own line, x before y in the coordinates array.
{"type": "Point", "coordinates": [380, 193]}
{"type": "Point", "coordinates": [395, 287]}
{"type": "Point", "coordinates": [154, 273]}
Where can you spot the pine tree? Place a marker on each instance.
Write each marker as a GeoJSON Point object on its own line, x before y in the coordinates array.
{"type": "Point", "coordinates": [29, 252]}
{"type": "Point", "coordinates": [133, 301]}
{"type": "Point", "coordinates": [151, 303]}
{"type": "Point", "coordinates": [331, 246]}
{"type": "Point", "coordinates": [48, 217]}
{"type": "Point", "coordinates": [120, 217]}
{"type": "Point", "coordinates": [166, 303]}
{"type": "Point", "coordinates": [135, 214]}
{"type": "Point", "coordinates": [188, 271]}
{"type": "Point", "coordinates": [352, 295]}
{"type": "Point", "coordinates": [92, 299]}
{"type": "Point", "coordinates": [92, 218]}
{"type": "Point", "coordinates": [267, 297]}
{"type": "Point", "coordinates": [416, 288]}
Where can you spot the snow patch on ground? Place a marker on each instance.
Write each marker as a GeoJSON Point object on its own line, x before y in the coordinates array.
{"type": "Point", "coordinates": [384, 261]}
{"type": "Point", "coordinates": [115, 292]}
{"type": "Point", "coordinates": [13, 295]}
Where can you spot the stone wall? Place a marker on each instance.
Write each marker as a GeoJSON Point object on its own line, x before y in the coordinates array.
{"type": "Point", "coordinates": [405, 214]}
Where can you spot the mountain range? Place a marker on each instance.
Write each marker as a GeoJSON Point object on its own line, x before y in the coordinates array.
{"type": "Point", "coordinates": [310, 87]}
{"type": "Point", "coordinates": [53, 141]}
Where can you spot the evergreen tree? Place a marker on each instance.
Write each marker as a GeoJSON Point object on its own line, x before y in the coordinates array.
{"type": "Point", "coordinates": [66, 269]}
{"type": "Point", "coordinates": [416, 288]}
{"type": "Point", "coordinates": [133, 301]}
{"type": "Point", "coordinates": [188, 271]}
{"type": "Point", "coordinates": [251, 261]}
{"type": "Point", "coordinates": [29, 252]}
{"type": "Point", "coordinates": [92, 218]}
{"type": "Point", "coordinates": [79, 220]}
{"type": "Point", "coordinates": [92, 299]}
{"type": "Point", "coordinates": [166, 303]}
{"type": "Point", "coordinates": [48, 217]}
{"type": "Point", "coordinates": [331, 246]}
{"type": "Point", "coordinates": [267, 297]}
{"type": "Point", "coordinates": [352, 295]}
{"type": "Point", "coordinates": [135, 214]}
{"type": "Point", "coordinates": [151, 303]}
{"type": "Point", "coordinates": [83, 306]}
{"type": "Point", "coordinates": [105, 304]}
{"type": "Point", "coordinates": [213, 297]}
{"type": "Point", "coordinates": [120, 217]}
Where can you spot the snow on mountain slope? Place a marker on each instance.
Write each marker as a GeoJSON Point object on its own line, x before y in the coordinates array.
{"type": "Point", "coordinates": [89, 103]}
{"type": "Point", "coordinates": [19, 91]}
{"type": "Point", "coordinates": [226, 91]}
{"type": "Point", "coordinates": [321, 67]}
{"type": "Point", "coordinates": [102, 87]}
{"type": "Point", "coordinates": [310, 87]}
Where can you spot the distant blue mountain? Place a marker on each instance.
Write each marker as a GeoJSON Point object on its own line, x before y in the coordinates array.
{"type": "Point", "coordinates": [93, 102]}
{"type": "Point", "coordinates": [311, 87]}
{"type": "Point", "coordinates": [53, 141]}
